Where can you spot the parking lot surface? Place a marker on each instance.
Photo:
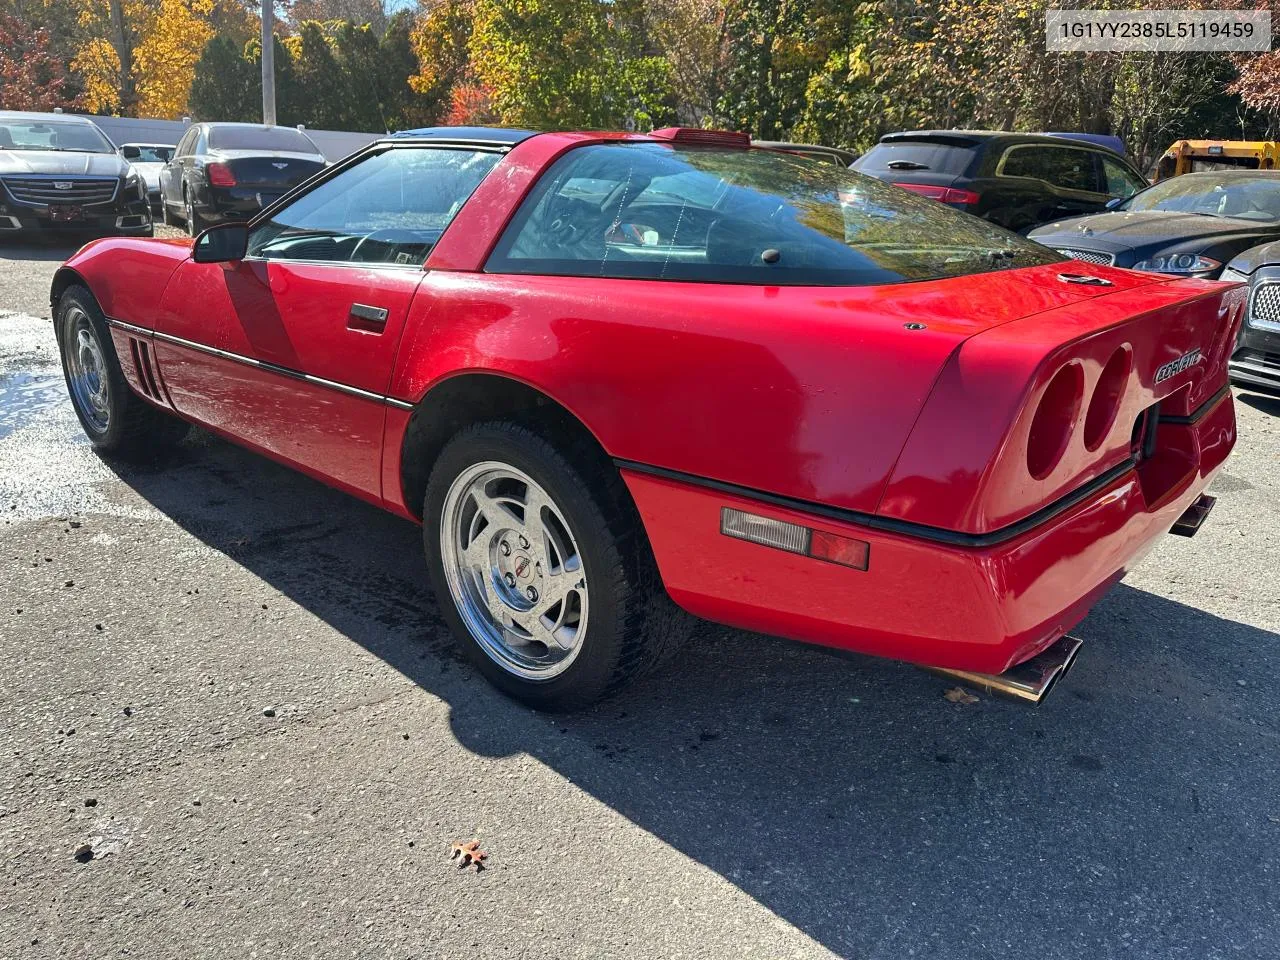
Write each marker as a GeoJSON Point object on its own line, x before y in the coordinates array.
{"type": "Point", "coordinates": [234, 726]}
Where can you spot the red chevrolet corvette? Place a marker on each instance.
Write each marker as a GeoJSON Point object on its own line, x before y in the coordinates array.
{"type": "Point", "coordinates": [611, 371]}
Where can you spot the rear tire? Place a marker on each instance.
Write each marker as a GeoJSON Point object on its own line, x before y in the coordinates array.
{"type": "Point", "coordinates": [116, 420]}
{"type": "Point", "coordinates": [496, 568]}
{"type": "Point", "coordinates": [195, 222]}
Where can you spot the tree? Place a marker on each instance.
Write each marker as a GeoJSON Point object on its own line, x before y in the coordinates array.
{"type": "Point", "coordinates": [32, 77]}
{"type": "Point", "coordinates": [358, 12]}
{"type": "Point", "coordinates": [692, 37]}
{"type": "Point", "coordinates": [165, 59]}
{"type": "Point", "coordinates": [398, 63]}
{"type": "Point", "coordinates": [225, 84]}
{"type": "Point", "coordinates": [441, 39]}
{"type": "Point", "coordinates": [567, 63]}
{"type": "Point", "coordinates": [105, 59]}
{"type": "Point", "coordinates": [317, 79]}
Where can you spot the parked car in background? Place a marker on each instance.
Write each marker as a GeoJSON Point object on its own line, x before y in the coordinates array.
{"type": "Point", "coordinates": [1199, 156]}
{"type": "Point", "coordinates": [149, 159]}
{"type": "Point", "coordinates": [1017, 180]}
{"type": "Point", "coordinates": [230, 171]}
{"type": "Point", "coordinates": [836, 155]}
{"type": "Point", "coordinates": [61, 173]}
{"type": "Point", "coordinates": [903, 431]}
{"type": "Point", "coordinates": [1189, 225]}
{"type": "Point", "coordinates": [1255, 363]}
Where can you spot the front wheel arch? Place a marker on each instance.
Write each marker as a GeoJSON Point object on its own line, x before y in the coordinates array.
{"type": "Point", "coordinates": [63, 280]}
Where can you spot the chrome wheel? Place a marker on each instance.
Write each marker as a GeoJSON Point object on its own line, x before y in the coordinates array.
{"type": "Point", "coordinates": [514, 570]}
{"type": "Point", "coordinates": [87, 372]}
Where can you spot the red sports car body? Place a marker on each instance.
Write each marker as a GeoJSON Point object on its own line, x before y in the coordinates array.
{"type": "Point", "coordinates": [944, 451]}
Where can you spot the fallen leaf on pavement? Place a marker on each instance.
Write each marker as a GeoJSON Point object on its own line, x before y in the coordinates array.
{"type": "Point", "coordinates": [960, 695]}
{"type": "Point", "coordinates": [469, 852]}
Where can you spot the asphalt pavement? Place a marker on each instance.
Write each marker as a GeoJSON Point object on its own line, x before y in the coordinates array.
{"type": "Point", "coordinates": [234, 726]}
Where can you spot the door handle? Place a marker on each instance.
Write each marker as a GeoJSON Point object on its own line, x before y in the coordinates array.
{"type": "Point", "coordinates": [365, 317]}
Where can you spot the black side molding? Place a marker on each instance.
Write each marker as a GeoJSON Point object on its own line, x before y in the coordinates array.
{"type": "Point", "coordinates": [920, 531]}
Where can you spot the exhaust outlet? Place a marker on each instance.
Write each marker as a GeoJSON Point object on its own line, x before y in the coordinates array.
{"type": "Point", "coordinates": [1189, 523]}
{"type": "Point", "coordinates": [1029, 681]}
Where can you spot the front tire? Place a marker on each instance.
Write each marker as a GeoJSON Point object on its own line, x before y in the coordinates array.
{"type": "Point", "coordinates": [545, 579]}
{"type": "Point", "coordinates": [116, 420]}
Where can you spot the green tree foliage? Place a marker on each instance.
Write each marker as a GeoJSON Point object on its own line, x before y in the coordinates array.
{"type": "Point", "coordinates": [568, 63]}
{"type": "Point", "coordinates": [227, 85]}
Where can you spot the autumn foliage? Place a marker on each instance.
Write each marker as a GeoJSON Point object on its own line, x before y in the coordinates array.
{"type": "Point", "coordinates": [841, 72]}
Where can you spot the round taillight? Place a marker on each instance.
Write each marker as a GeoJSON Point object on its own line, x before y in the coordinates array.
{"type": "Point", "coordinates": [1055, 417]}
{"type": "Point", "coordinates": [1105, 402]}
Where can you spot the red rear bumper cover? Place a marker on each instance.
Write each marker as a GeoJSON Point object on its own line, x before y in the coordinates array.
{"type": "Point", "coordinates": [978, 607]}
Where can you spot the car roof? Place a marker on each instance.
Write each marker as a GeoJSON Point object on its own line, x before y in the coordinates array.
{"type": "Point", "coordinates": [46, 117]}
{"type": "Point", "coordinates": [1231, 174]}
{"type": "Point", "coordinates": [975, 137]}
{"type": "Point", "coordinates": [503, 135]}
{"type": "Point", "coordinates": [848, 156]}
{"type": "Point", "coordinates": [144, 143]}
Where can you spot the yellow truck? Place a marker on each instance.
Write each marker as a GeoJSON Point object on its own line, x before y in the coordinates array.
{"type": "Point", "coordinates": [1190, 156]}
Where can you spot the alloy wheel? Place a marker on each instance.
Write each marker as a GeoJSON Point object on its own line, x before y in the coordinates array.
{"type": "Point", "coordinates": [514, 570]}
{"type": "Point", "coordinates": [90, 385]}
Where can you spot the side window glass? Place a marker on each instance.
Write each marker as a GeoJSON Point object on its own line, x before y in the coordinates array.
{"type": "Point", "coordinates": [391, 208]}
{"type": "Point", "coordinates": [184, 145]}
{"type": "Point", "coordinates": [1120, 182]}
{"type": "Point", "coordinates": [1061, 167]}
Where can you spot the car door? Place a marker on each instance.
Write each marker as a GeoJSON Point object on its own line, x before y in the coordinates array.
{"type": "Point", "coordinates": [171, 173]}
{"type": "Point", "coordinates": [291, 349]}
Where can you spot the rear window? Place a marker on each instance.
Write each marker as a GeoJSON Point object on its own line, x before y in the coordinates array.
{"type": "Point", "coordinates": [916, 155]}
{"type": "Point", "coordinates": [652, 211]}
{"type": "Point", "coordinates": [259, 138]}
{"type": "Point", "coordinates": [146, 153]}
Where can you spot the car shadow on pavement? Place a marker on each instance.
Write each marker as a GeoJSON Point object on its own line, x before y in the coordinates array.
{"type": "Point", "coordinates": [1261, 401]}
{"type": "Point", "coordinates": [53, 248]}
{"type": "Point", "coordinates": [1135, 813]}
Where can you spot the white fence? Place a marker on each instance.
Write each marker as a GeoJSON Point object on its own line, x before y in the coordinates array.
{"type": "Point", "coordinates": [334, 144]}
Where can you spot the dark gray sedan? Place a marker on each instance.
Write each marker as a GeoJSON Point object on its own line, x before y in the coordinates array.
{"type": "Point", "coordinates": [1190, 225]}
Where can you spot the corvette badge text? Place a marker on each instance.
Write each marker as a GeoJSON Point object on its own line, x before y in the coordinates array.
{"type": "Point", "coordinates": [1174, 367]}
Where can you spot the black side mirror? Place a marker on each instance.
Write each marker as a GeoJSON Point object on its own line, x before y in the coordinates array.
{"type": "Point", "coordinates": [221, 243]}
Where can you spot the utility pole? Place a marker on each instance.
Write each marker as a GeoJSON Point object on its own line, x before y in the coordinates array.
{"type": "Point", "coordinates": [268, 63]}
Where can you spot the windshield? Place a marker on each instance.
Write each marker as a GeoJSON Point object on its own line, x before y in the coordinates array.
{"type": "Point", "coordinates": [1217, 195]}
{"type": "Point", "coordinates": [654, 211]}
{"type": "Point", "coordinates": [260, 138]}
{"type": "Point", "coordinates": [52, 135]}
{"type": "Point", "coordinates": [142, 153]}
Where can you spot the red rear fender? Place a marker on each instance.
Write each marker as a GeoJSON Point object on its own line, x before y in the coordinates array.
{"type": "Point", "coordinates": [979, 459]}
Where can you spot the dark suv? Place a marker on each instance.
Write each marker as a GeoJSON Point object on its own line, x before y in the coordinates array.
{"type": "Point", "coordinates": [1018, 180]}
{"type": "Point", "coordinates": [60, 173]}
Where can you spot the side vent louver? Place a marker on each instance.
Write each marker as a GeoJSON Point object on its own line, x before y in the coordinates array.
{"type": "Point", "coordinates": [141, 354]}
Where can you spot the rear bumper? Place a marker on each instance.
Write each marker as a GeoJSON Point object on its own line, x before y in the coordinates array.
{"type": "Point", "coordinates": [1256, 361]}
{"type": "Point", "coordinates": [235, 203]}
{"type": "Point", "coordinates": [979, 607]}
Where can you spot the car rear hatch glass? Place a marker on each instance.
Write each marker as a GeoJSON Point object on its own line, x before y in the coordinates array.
{"type": "Point", "coordinates": [938, 159]}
